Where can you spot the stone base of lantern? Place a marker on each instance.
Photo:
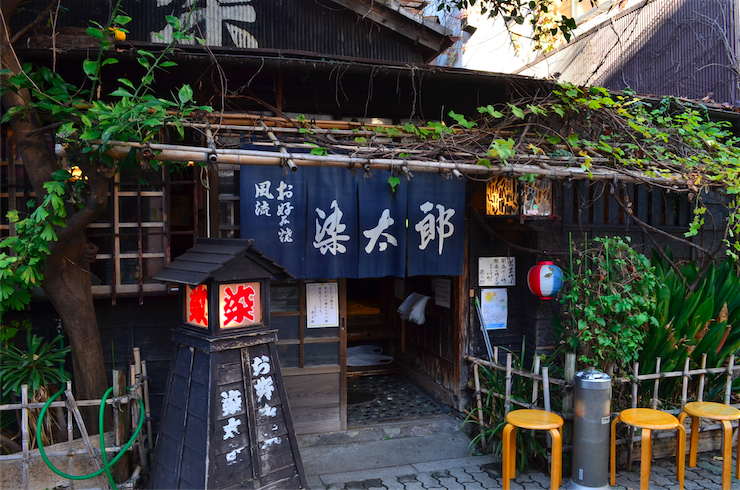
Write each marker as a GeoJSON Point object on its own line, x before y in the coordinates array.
{"type": "Point", "coordinates": [226, 421]}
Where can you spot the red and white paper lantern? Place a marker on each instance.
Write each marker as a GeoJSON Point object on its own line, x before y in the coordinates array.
{"type": "Point", "coordinates": [545, 279]}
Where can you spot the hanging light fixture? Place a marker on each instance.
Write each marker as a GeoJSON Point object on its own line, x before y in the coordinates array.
{"type": "Point", "coordinates": [545, 279]}
{"type": "Point", "coordinates": [502, 197]}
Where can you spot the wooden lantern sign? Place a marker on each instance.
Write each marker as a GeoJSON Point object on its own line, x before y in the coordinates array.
{"type": "Point", "coordinates": [226, 422]}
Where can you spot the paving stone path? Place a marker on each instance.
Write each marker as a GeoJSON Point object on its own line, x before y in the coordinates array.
{"type": "Point", "coordinates": [706, 476]}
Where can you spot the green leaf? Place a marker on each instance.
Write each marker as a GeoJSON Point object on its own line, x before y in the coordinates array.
{"type": "Point", "coordinates": [61, 174]}
{"type": "Point", "coordinates": [121, 92]}
{"type": "Point", "coordinates": [127, 83]}
{"type": "Point", "coordinates": [96, 33]}
{"type": "Point", "coordinates": [394, 181]}
{"type": "Point", "coordinates": [516, 111]}
{"type": "Point", "coordinates": [90, 67]}
{"type": "Point", "coordinates": [185, 94]}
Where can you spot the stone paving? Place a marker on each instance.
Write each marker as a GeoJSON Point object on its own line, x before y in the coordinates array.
{"type": "Point", "coordinates": [475, 476]}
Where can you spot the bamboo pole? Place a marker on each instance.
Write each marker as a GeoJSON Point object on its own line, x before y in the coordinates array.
{"type": "Point", "coordinates": [25, 439]}
{"type": "Point", "coordinates": [517, 166]}
{"type": "Point", "coordinates": [494, 365]}
{"type": "Point", "coordinates": [702, 376]}
{"type": "Point", "coordinates": [83, 432]}
{"type": "Point", "coordinates": [479, 401]}
{"type": "Point", "coordinates": [535, 381]}
{"type": "Point", "coordinates": [630, 446]}
{"type": "Point", "coordinates": [147, 407]}
{"type": "Point", "coordinates": [507, 400]}
{"type": "Point", "coordinates": [546, 388]}
{"type": "Point", "coordinates": [728, 385]}
{"type": "Point", "coordinates": [685, 383]}
{"type": "Point", "coordinates": [656, 386]}
{"type": "Point", "coordinates": [70, 439]}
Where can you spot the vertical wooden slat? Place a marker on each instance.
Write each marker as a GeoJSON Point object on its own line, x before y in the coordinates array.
{"type": "Point", "coordinates": [643, 203]}
{"type": "Point", "coordinates": [656, 207]}
{"type": "Point", "coordinates": [567, 203]}
{"type": "Point", "coordinates": [546, 388]}
{"type": "Point", "coordinates": [535, 381]}
{"type": "Point", "coordinates": [70, 441]}
{"type": "Point", "coordinates": [599, 195]}
{"type": "Point", "coordinates": [669, 200]}
{"type": "Point", "coordinates": [685, 384]}
{"type": "Point", "coordinates": [728, 385]}
{"type": "Point", "coordinates": [25, 438]}
{"type": "Point", "coordinates": [139, 237]}
{"type": "Point", "coordinates": [635, 380]}
{"type": "Point", "coordinates": [342, 353]}
{"type": "Point", "coordinates": [116, 229]}
{"type": "Point", "coordinates": [120, 426]}
{"type": "Point", "coordinates": [630, 199]}
{"type": "Point", "coordinates": [656, 386]}
{"type": "Point", "coordinates": [479, 402]}
{"type": "Point", "coordinates": [614, 209]}
{"type": "Point", "coordinates": [507, 396]}
{"type": "Point", "coordinates": [303, 324]}
{"type": "Point", "coordinates": [700, 395]}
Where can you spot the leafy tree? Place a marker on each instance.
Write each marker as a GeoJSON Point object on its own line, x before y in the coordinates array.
{"type": "Point", "coordinates": [50, 249]}
{"type": "Point", "coordinates": [547, 27]}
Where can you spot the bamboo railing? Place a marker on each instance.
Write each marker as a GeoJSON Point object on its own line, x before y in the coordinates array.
{"type": "Point", "coordinates": [540, 375]}
{"type": "Point", "coordinates": [121, 423]}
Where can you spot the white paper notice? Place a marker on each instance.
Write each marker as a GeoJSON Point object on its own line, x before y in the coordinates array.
{"type": "Point", "coordinates": [494, 306]}
{"type": "Point", "coordinates": [496, 271]}
{"type": "Point", "coordinates": [323, 304]}
{"type": "Point", "coordinates": [442, 292]}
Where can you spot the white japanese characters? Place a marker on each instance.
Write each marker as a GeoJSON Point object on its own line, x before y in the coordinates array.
{"type": "Point", "coordinates": [376, 233]}
{"type": "Point", "coordinates": [231, 402]}
{"type": "Point", "coordinates": [282, 208]}
{"type": "Point", "coordinates": [232, 428]}
{"type": "Point", "coordinates": [432, 228]}
{"type": "Point", "coordinates": [328, 234]}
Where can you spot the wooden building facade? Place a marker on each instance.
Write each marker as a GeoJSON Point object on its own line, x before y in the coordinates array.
{"type": "Point", "coordinates": [153, 217]}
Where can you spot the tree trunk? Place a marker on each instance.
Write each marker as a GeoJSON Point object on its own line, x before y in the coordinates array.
{"type": "Point", "coordinates": [66, 275]}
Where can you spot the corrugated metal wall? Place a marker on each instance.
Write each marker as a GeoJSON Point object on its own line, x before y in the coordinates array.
{"type": "Point", "coordinates": [316, 26]}
{"type": "Point", "coordinates": [665, 47]}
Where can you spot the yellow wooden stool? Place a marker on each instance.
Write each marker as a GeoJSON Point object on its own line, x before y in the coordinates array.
{"type": "Point", "coordinates": [537, 420]}
{"type": "Point", "coordinates": [714, 411]}
{"type": "Point", "coordinates": [649, 420]}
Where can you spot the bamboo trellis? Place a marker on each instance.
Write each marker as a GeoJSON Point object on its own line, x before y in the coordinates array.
{"type": "Point", "coordinates": [636, 380]}
{"type": "Point", "coordinates": [140, 386]}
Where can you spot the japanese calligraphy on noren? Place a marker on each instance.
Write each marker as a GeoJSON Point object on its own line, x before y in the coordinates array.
{"type": "Point", "coordinates": [496, 271]}
{"type": "Point", "coordinates": [281, 207]}
{"type": "Point", "coordinates": [433, 227]}
{"type": "Point", "coordinates": [196, 305]}
{"type": "Point", "coordinates": [323, 304]}
{"type": "Point", "coordinates": [239, 304]}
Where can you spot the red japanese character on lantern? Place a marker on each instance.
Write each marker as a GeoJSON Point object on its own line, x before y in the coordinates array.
{"type": "Point", "coordinates": [239, 304]}
{"type": "Point", "coordinates": [196, 305]}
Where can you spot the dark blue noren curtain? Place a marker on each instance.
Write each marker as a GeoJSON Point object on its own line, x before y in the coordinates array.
{"type": "Point", "coordinates": [273, 212]}
{"type": "Point", "coordinates": [332, 240]}
{"type": "Point", "coordinates": [436, 229]}
{"type": "Point", "coordinates": [382, 227]}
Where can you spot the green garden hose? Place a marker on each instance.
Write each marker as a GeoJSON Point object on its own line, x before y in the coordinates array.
{"type": "Point", "coordinates": [101, 417]}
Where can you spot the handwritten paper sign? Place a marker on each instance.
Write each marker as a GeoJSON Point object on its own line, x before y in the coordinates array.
{"type": "Point", "coordinates": [496, 271]}
{"type": "Point", "coordinates": [323, 304]}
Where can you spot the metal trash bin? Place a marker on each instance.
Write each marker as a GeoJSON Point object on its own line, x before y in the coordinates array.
{"type": "Point", "coordinates": [591, 431]}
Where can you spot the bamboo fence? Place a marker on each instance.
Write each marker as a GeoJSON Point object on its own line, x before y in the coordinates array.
{"type": "Point", "coordinates": [540, 375]}
{"type": "Point", "coordinates": [123, 420]}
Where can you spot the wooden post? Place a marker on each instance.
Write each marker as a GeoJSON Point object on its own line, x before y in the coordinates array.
{"type": "Point", "coordinates": [685, 385]}
{"type": "Point", "coordinates": [25, 439]}
{"type": "Point", "coordinates": [656, 386]}
{"type": "Point", "coordinates": [121, 428]}
{"type": "Point", "coordinates": [479, 401]}
{"type": "Point", "coordinates": [143, 460]}
{"type": "Point", "coordinates": [702, 376]}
